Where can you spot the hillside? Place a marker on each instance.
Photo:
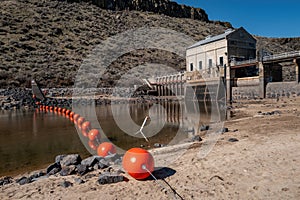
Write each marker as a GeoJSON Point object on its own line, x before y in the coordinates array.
{"type": "Point", "coordinates": [47, 40]}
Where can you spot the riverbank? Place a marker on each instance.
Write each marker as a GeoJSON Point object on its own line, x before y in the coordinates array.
{"type": "Point", "coordinates": [21, 98]}
{"type": "Point", "coordinates": [258, 158]}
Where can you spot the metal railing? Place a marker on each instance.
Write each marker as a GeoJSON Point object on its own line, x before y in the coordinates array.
{"type": "Point", "coordinates": [250, 61]}
{"type": "Point", "coordinates": [282, 55]}
{"type": "Point", "coordinates": [202, 74]}
{"type": "Point", "coordinates": [268, 58]}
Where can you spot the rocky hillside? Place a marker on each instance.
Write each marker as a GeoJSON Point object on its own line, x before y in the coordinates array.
{"type": "Point", "coordinates": [278, 45]}
{"type": "Point", "coordinates": [47, 40]}
{"type": "Point", "coordinates": [165, 7]}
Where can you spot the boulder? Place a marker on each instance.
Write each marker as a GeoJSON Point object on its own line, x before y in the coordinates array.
{"type": "Point", "coordinates": [59, 158]}
{"type": "Point", "coordinates": [23, 180]}
{"type": "Point", "coordinates": [66, 184]}
{"type": "Point", "coordinates": [224, 130]}
{"type": "Point", "coordinates": [91, 161]}
{"type": "Point", "coordinates": [53, 169]}
{"type": "Point", "coordinates": [103, 164]}
{"type": "Point", "coordinates": [5, 181]}
{"type": "Point", "coordinates": [204, 128]}
{"type": "Point", "coordinates": [67, 170]}
{"type": "Point", "coordinates": [108, 178]}
{"type": "Point", "coordinates": [233, 140]}
{"type": "Point", "coordinates": [72, 159]}
{"type": "Point", "coordinates": [82, 169]}
{"type": "Point", "coordinates": [79, 180]}
{"type": "Point", "coordinates": [196, 138]}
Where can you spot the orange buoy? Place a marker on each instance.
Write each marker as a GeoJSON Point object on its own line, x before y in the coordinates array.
{"type": "Point", "coordinates": [72, 114]}
{"type": "Point", "coordinates": [93, 134]}
{"type": "Point", "coordinates": [68, 112]}
{"type": "Point", "coordinates": [80, 121]}
{"type": "Point", "coordinates": [76, 116]}
{"type": "Point", "coordinates": [105, 149]}
{"type": "Point", "coordinates": [84, 133]}
{"type": "Point", "coordinates": [55, 109]}
{"type": "Point", "coordinates": [59, 109]}
{"type": "Point", "coordinates": [47, 107]}
{"type": "Point", "coordinates": [63, 110]}
{"type": "Point", "coordinates": [51, 107]}
{"type": "Point", "coordinates": [86, 126]}
{"type": "Point", "coordinates": [92, 145]}
{"type": "Point", "coordinates": [138, 163]}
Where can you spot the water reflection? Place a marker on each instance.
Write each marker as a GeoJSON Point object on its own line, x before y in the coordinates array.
{"type": "Point", "coordinates": [30, 140]}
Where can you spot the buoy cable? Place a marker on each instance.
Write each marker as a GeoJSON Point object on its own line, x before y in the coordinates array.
{"type": "Point", "coordinates": [161, 185]}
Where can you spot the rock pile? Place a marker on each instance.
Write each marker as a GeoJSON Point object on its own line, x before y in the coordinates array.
{"type": "Point", "coordinates": [65, 165]}
{"type": "Point", "coordinates": [16, 98]}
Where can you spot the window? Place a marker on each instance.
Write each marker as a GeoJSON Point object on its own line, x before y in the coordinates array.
{"type": "Point", "coordinates": [200, 65]}
{"type": "Point", "coordinates": [221, 61]}
{"type": "Point", "coordinates": [191, 67]}
{"type": "Point", "coordinates": [209, 63]}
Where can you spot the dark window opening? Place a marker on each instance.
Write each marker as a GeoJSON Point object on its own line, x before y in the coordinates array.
{"type": "Point", "coordinates": [200, 65]}
{"type": "Point", "coordinates": [246, 72]}
{"type": "Point", "coordinates": [221, 61]}
{"type": "Point", "coordinates": [191, 67]}
{"type": "Point", "coordinates": [209, 63]}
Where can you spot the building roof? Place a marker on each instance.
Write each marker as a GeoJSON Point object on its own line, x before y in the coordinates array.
{"type": "Point", "coordinates": [212, 39]}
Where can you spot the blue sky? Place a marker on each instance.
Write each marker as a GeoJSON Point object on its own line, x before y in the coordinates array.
{"type": "Point", "coordinates": [270, 18]}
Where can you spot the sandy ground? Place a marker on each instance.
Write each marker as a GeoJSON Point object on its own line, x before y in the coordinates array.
{"type": "Point", "coordinates": [263, 164]}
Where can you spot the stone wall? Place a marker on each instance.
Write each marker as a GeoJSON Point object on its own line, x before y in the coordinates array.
{"type": "Point", "coordinates": [288, 72]}
{"type": "Point", "coordinates": [248, 92]}
{"type": "Point", "coordinates": [280, 89]}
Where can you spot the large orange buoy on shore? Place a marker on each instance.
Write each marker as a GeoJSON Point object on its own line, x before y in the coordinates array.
{"type": "Point", "coordinates": [105, 149]}
{"type": "Point", "coordinates": [93, 134]}
{"type": "Point", "coordinates": [138, 163]}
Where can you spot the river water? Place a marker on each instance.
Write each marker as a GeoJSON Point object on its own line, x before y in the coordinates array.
{"type": "Point", "coordinates": [30, 140]}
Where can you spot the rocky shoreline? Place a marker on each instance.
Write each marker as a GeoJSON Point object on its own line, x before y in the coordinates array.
{"type": "Point", "coordinates": [22, 98]}
{"type": "Point", "coordinates": [108, 168]}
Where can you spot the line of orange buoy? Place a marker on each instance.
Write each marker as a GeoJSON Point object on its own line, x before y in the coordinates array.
{"type": "Point", "coordinates": [93, 135]}
{"type": "Point", "coordinates": [138, 162]}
